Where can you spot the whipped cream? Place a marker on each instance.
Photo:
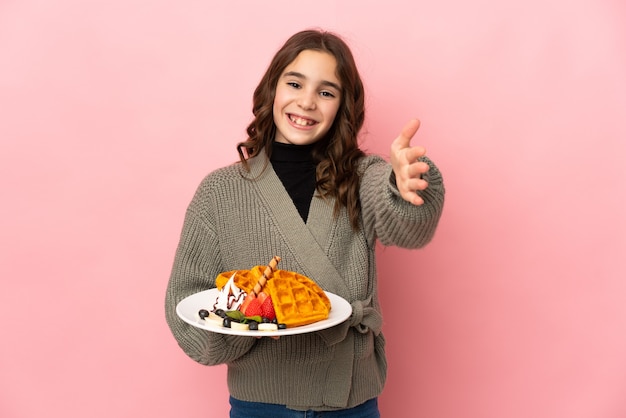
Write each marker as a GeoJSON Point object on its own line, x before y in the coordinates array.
{"type": "Point", "coordinates": [230, 297]}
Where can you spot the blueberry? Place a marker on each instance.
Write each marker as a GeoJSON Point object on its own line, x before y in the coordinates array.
{"type": "Point", "coordinates": [282, 326]}
{"type": "Point", "coordinates": [203, 313]}
{"type": "Point", "coordinates": [226, 322]}
{"type": "Point", "coordinates": [266, 320]}
{"type": "Point", "coordinates": [253, 326]}
{"type": "Point", "coordinates": [220, 313]}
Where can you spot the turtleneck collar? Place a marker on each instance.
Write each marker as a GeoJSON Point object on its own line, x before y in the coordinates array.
{"type": "Point", "coordinates": [291, 153]}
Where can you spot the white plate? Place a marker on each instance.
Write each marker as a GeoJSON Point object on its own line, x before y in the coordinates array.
{"type": "Point", "coordinates": [188, 309]}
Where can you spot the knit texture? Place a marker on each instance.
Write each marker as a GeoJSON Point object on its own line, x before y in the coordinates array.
{"type": "Point", "coordinates": [237, 220]}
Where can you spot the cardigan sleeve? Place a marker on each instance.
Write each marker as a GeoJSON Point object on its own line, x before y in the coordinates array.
{"type": "Point", "coordinates": [196, 264]}
{"type": "Point", "coordinates": [388, 217]}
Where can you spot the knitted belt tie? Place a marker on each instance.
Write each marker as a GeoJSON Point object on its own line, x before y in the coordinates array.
{"type": "Point", "coordinates": [365, 318]}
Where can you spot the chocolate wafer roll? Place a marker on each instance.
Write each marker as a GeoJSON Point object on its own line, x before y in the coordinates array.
{"type": "Point", "coordinates": [269, 271]}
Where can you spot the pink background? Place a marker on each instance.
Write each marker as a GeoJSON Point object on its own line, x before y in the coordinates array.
{"type": "Point", "coordinates": [112, 111]}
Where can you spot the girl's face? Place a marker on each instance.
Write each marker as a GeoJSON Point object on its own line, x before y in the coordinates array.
{"type": "Point", "coordinates": [307, 98]}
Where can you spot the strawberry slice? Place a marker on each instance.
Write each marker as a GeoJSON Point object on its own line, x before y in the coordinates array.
{"type": "Point", "coordinates": [262, 296]}
{"type": "Point", "coordinates": [267, 309]}
{"type": "Point", "coordinates": [253, 308]}
{"type": "Point", "coordinates": [246, 302]}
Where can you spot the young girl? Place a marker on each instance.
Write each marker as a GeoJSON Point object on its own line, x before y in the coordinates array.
{"type": "Point", "coordinates": [304, 190]}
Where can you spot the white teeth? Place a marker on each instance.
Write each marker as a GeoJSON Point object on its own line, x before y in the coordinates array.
{"type": "Point", "coordinates": [300, 121]}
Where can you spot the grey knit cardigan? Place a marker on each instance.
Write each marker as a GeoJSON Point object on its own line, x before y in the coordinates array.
{"type": "Point", "coordinates": [240, 219]}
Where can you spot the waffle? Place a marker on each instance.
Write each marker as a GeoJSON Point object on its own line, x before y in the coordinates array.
{"type": "Point", "coordinates": [244, 279]}
{"type": "Point", "coordinates": [297, 299]}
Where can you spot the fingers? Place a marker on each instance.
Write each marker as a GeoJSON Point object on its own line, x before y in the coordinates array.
{"type": "Point", "coordinates": [413, 198]}
{"type": "Point", "coordinates": [415, 183]}
{"type": "Point", "coordinates": [410, 181]}
{"type": "Point", "coordinates": [413, 153]}
{"type": "Point", "coordinates": [417, 170]}
{"type": "Point", "coordinates": [406, 165]}
{"type": "Point", "coordinates": [410, 128]}
{"type": "Point", "coordinates": [407, 133]}
{"type": "Point", "coordinates": [413, 170]}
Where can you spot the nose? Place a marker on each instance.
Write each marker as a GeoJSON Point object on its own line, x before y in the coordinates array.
{"type": "Point", "coordinates": [307, 100]}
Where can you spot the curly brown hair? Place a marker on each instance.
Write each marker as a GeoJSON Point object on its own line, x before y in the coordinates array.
{"type": "Point", "coordinates": [338, 152]}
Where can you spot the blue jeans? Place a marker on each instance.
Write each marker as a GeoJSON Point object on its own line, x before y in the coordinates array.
{"type": "Point", "coordinates": [243, 409]}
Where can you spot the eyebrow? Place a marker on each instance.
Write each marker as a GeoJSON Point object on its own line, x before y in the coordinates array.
{"type": "Point", "coordinates": [302, 76]}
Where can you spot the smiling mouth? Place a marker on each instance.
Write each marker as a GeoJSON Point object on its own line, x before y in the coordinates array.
{"type": "Point", "coordinates": [300, 121]}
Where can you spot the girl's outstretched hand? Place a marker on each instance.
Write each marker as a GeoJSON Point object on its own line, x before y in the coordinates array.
{"type": "Point", "coordinates": [407, 168]}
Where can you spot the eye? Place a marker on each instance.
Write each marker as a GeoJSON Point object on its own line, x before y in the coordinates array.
{"type": "Point", "coordinates": [327, 94]}
{"type": "Point", "coordinates": [293, 84]}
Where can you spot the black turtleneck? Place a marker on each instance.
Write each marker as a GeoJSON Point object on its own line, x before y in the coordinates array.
{"type": "Point", "coordinates": [295, 167]}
